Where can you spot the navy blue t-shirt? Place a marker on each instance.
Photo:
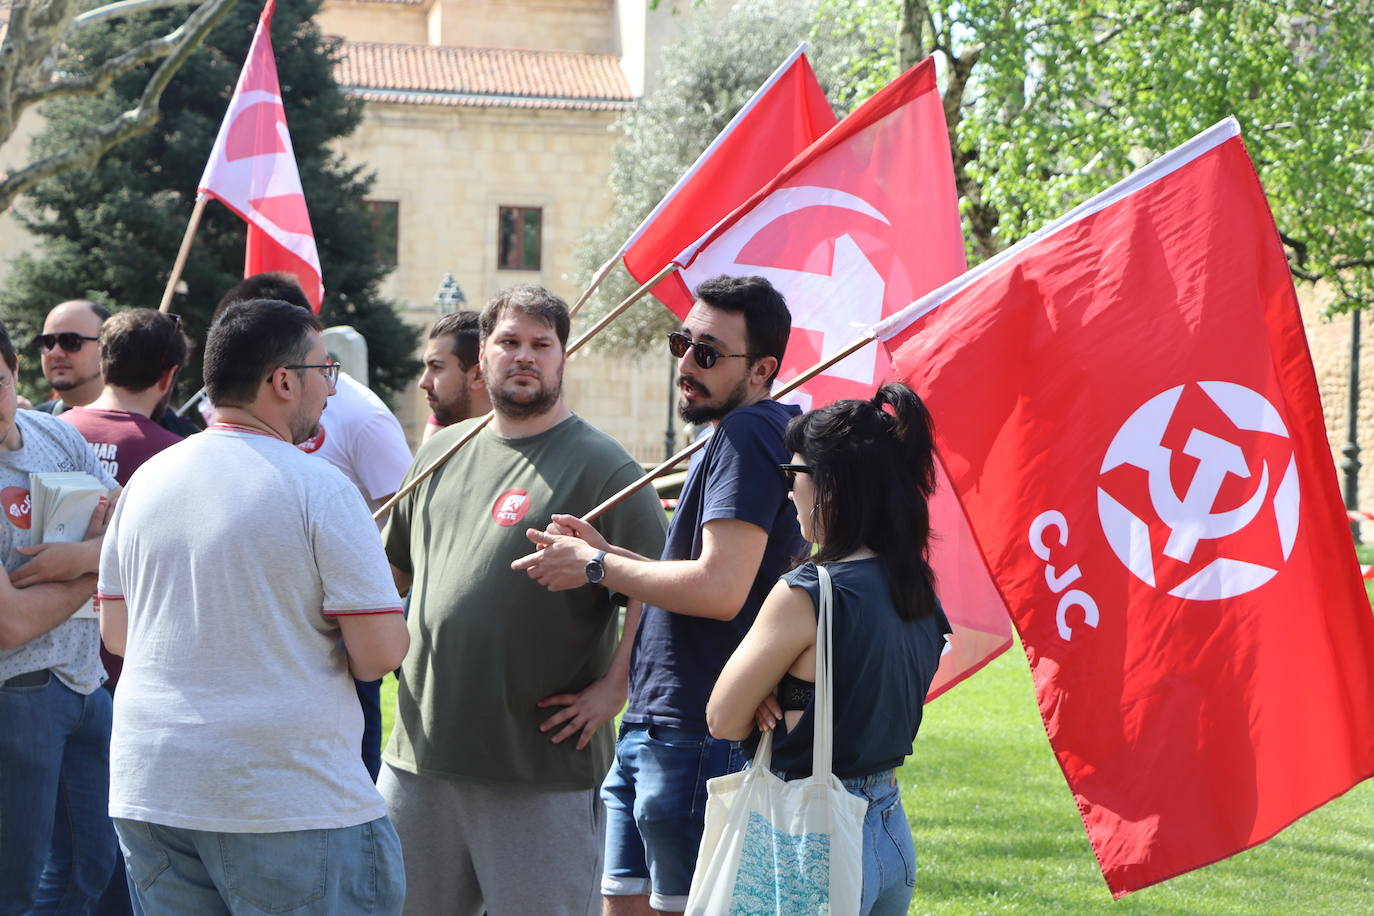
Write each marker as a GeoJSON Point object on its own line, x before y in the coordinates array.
{"type": "Point", "coordinates": [883, 668]}
{"type": "Point", "coordinates": [677, 658]}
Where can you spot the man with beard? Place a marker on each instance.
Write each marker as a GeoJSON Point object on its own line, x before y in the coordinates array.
{"type": "Point", "coordinates": [452, 380]}
{"type": "Point", "coordinates": [492, 770]}
{"type": "Point", "coordinates": [734, 533]}
{"type": "Point", "coordinates": [235, 780]}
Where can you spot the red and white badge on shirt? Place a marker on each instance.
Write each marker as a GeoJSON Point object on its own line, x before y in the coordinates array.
{"type": "Point", "coordinates": [17, 505]}
{"type": "Point", "coordinates": [510, 507]}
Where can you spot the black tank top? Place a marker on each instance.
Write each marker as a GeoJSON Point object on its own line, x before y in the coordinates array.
{"type": "Point", "coordinates": [883, 668]}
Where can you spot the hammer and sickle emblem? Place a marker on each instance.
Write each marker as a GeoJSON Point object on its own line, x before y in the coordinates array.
{"type": "Point", "coordinates": [1191, 518]}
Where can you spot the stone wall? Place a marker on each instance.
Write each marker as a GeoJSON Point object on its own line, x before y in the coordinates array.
{"type": "Point", "coordinates": [1329, 340]}
{"type": "Point", "coordinates": [549, 25]}
{"type": "Point", "coordinates": [452, 169]}
{"type": "Point", "coordinates": [360, 20]}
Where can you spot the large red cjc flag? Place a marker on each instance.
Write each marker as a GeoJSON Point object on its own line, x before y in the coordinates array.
{"type": "Point", "coordinates": [252, 171]}
{"type": "Point", "coordinates": [1126, 407]}
{"type": "Point", "coordinates": [785, 116]}
{"type": "Point", "coordinates": [851, 231]}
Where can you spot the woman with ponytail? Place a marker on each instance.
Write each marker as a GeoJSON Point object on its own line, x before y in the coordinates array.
{"type": "Point", "coordinates": [861, 475]}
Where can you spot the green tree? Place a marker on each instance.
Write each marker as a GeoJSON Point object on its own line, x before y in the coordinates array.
{"type": "Point", "coordinates": [1049, 102]}
{"type": "Point", "coordinates": [705, 78]}
{"type": "Point", "coordinates": [111, 233]}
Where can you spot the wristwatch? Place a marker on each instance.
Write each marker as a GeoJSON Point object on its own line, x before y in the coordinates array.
{"type": "Point", "coordinates": [595, 569]}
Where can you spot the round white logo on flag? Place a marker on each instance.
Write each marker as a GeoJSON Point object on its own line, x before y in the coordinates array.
{"type": "Point", "coordinates": [1199, 491]}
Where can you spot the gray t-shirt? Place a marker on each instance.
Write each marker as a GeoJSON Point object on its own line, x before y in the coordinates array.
{"type": "Point", "coordinates": [234, 553]}
{"type": "Point", "coordinates": [71, 650]}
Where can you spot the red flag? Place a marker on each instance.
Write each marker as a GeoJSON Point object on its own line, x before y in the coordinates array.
{"type": "Point", "coordinates": [851, 231]}
{"type": "Point", "coordinates": [786, 114]}
{"type": "Point", "coordinates": [252, 171]}
{"type": "Point", "coordinates": [1128, 413]}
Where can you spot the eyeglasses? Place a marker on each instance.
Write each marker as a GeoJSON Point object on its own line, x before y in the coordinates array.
{"type": "Point", "coordinates": [330, 370]}
{"type": "Point", "coordinates": [69, 341]}
{"type": "Point", "coordinates": [790, 472]}
{"type": "Point", "coordinates": [705, 354]}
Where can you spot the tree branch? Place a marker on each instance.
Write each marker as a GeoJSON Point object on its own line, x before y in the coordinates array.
{"type": "Point", "coordinates": [26, 52]}
{"type": "Point", "coordinates": [124, 8]}
{"type": "Point", "coordinates": [88, 150]}
{"type": "Point", "coordinates": [99, 79]}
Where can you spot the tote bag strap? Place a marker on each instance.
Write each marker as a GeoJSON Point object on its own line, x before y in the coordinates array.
{"type": "Point", "coordinates": [822, 754]}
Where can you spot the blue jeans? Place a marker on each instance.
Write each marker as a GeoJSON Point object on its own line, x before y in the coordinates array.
{"type": "Point", "coordinates": [346, 870]}
{"type": "Point", "coordinates": [655, 796]}
{"type": "Point", "coordinates": [889, 855]}
{"type": "Point", "coordinates": [57, 847]}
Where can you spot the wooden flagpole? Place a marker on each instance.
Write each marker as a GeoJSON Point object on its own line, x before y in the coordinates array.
{"type": "Point", "coordinates": [481, 424]}
{"type": "Point", "coordinates": [601, 273]}
{"type": "Point", "coordinates": [687, 452]}
{"type": "Point", "coordinates": [183, 253]}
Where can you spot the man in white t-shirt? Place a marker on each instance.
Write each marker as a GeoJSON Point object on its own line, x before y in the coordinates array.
{"type": "Point", "coordinates": [235, 780]}
{"type": "Point", "coordinates": [364, 440]}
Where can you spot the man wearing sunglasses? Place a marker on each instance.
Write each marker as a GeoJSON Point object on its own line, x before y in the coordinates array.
{"type": "Point", "coordinates": [69, 354]}
{"type": "Point", "coordinates": [733, 535]}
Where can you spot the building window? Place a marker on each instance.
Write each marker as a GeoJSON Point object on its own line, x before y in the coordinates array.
{"type": "Point", "coordinates": [386, 217]}
{"type": "Point", "coordinates": [519, 238]}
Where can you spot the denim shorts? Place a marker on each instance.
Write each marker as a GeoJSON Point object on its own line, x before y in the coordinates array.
{"type": "Point", "coordinates": [655, 796]}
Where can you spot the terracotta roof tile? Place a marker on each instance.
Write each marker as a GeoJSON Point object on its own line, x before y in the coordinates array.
{"type": "Point", "coordinates": [444, 75]}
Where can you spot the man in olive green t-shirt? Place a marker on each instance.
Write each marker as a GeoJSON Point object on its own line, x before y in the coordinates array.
{"type": "Point", "coordinates": [499, 747]}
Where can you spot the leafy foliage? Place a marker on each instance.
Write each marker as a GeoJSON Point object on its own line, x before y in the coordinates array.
{"type": "Point", "coordinates": [1051, 102]}
{"type": "Point", "coordinates": [111, 233]}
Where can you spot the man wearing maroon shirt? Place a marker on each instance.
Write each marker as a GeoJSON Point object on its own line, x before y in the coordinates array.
{"type": "Point", "coordinates": [140, 353]}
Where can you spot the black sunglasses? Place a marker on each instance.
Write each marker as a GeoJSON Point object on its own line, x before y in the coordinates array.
{"type": "Point", "coordinates": [705, 354]}
{"type": "Point", "coordinates": [790, 472]}
{"type": "Point", "coordinates": [70, 341]}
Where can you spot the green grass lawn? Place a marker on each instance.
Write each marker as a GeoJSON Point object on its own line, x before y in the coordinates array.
{"type": "Point", "coordinates": [997, 832]}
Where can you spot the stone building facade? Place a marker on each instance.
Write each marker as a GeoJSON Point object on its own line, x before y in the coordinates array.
{"type": "Point", "coordinates": [488, 124]}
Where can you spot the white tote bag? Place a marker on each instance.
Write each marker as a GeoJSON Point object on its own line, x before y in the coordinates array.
{"type": "Point", "coordinates": [778, 848]}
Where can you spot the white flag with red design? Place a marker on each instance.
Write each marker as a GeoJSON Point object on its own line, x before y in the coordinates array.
{"type": "Point", "coordinates": [1127, 410]}
{"type": "Point", "coordinates": [252, 171]}
{"type": "Point", "coordinates": [851, 231]}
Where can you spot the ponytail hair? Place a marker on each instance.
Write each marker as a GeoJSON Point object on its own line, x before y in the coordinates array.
{"type": "Point", "coordinates": [873, 467]}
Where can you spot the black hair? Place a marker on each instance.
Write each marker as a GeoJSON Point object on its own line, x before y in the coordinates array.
{"type": "Point", "coordinates": [465, 326]}
{"type": "Point", "coordinates": [276, 284]}
{"type": "Point", "coordinates": [138, 345]}
{"type": "Point", "coordinates": [7, 351]}
{"type": "Point", "coordinates": [248, 341]}
{"type": "Point", "coordinates": [874, 472]}
{"type": "Point", "coordinates": [532, 301]}
{"type": "Point", "coordinates": [767, 322]}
